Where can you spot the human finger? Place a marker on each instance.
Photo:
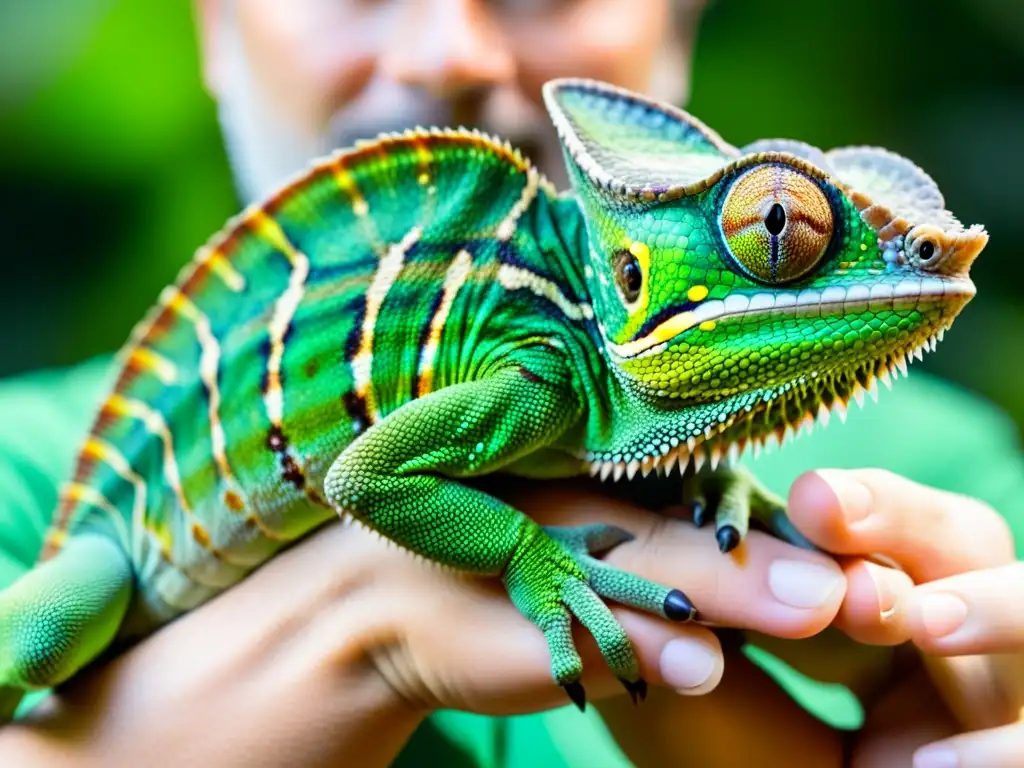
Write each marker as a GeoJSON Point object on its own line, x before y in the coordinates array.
{"type": "Point", "coordinates": [971, 613]}
{"type": "Point", "coordinates": [764, 585]}
{"type": "Point", "coordinates": [1001, 747]}
{"type": "Point", "coordinates": [874, 610]}
{"type": "Point", "coordinates": [464, 645]}
{"type": "Point", "coordinates": [928, 532]}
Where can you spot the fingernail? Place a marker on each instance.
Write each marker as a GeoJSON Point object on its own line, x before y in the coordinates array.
{"type": "Point", "coordinates": [942, 614]}
{"type": "Point", "coordinates": [884, 590]}
{"type": "Point", "coordinates": [936, 757]}
{"type": "Point", "coordinates": [854, 498]}
{"type": "Point", "coordinates": [802, 585]}
{"type": "Point", "coordinates": [686, 664]}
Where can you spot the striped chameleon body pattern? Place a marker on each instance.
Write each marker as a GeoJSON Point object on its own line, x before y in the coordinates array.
{"type": "Point", "coordinates": [425, 307]}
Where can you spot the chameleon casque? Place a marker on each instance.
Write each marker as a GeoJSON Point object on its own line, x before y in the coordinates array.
{"type": "Point", "coordinates": [424, 308]}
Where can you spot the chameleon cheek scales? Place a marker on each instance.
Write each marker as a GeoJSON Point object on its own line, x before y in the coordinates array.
{"type": "Point", "coordinates": [425, 307]}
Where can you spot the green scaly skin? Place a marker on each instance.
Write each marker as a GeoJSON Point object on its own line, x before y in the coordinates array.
{"type": "Point", "coordinates": [425, 308]}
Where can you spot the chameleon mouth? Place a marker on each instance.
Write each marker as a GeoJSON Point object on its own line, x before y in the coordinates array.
{"type": "Point", "coordinates": [907, 294]}
{"type": "Point", "coordinates": [766, 420]}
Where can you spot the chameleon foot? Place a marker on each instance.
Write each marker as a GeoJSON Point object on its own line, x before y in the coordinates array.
{"type": "Point", "coordinates": [60, 615]}
{"type": "Point", "coordinates": [735, 498]}
{"type": "Point", "coordinates": [556, 576]}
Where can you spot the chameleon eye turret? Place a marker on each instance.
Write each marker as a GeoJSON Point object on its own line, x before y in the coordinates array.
{"type": "Point", "coordinates": [777, 223]}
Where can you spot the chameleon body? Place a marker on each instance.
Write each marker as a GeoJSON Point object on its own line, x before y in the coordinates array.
{"type": "Point", "coordinates": [425, 308]}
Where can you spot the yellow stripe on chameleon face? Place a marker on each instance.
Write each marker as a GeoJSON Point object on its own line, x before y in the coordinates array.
{"type": "Point", "coordinates": [697, 293]}
{"type": "Point", "coordinates": [667, 330]}
{"type": "Point", "coordinates": [640, 250]}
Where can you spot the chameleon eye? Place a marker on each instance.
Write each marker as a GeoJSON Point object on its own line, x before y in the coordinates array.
{"type": "Point", "coordinates": [628, 275]}
{"type": "Point", "coordinates": [923, 244]}
{"type": "Point", "coordinates": [776, 223]}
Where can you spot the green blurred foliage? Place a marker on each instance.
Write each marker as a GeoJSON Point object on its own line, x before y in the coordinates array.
{"type": "Point", "coordinates": [112, 171]}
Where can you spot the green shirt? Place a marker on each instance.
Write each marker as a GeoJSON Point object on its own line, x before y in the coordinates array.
{"type": "Point", "coordinates": [925, 429]}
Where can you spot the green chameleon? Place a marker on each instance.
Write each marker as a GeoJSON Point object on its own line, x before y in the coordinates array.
{"type": "Point", "coordinates": [424, 308]}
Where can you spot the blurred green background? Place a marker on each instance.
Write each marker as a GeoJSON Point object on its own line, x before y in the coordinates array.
{"type": "Point", "coordinates": [112, 170]}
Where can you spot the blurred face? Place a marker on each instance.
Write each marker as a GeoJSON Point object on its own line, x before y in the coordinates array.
{"type": "Point", "coordinates": [296, 79]}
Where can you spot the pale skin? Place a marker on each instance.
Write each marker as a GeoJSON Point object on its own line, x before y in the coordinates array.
{"type": "Point", "coordinates": [349, 623]}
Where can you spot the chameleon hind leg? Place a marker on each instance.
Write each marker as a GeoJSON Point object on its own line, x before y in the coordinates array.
{"type": "Point", "coordinates": [735, 498]}
{"type": "Point", "coordinates": [60, 615]}
{"type": "Point", "coordinates": [399, 478]}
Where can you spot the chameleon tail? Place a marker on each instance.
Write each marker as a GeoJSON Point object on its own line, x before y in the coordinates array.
{"type": "Point", "coordinates": [59, 616]}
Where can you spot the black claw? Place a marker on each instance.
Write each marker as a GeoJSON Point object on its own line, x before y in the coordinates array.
{"type": "Point", "coordinates": [678, 606]}
{"type": "Point", "coordinates": [698, 514]}
{"type": "Point", "coordinates": [728, 538]}
{"type": "Point", "coordinates": [637, 690]}
{"type": "Point", "coordinates": [577, 694]}
{"type": "Point", "coordinates": [731, 639]}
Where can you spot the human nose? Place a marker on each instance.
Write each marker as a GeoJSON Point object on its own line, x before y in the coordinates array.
{"type": "Point", "coordinates": [448, 47]}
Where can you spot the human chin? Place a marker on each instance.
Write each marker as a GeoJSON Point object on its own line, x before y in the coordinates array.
{"type": "Point", "coordinates": [265, 150]}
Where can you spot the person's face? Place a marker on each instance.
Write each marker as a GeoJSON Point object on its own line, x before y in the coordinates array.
{"type": "Point", "coordinates": [296, 79]}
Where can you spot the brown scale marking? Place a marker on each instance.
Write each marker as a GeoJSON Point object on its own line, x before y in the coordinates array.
{"type": "Point", "coordinates": [276, 441]}
{"type": "Point", "coordinates": [312, 368]}
{"type": "Point", "coordinates": [200, 535]}
{"type": "Point", "coordinates": [203, 539]}
{"type": "Point", "coordinates": [291, 471]}
{"type": "Point", "coordinates": [355, 406]}
{"type": "Point", "coordinates": [191, 285]}
{"type": "Point", "coordinates": [529, 375]}
{"type": "Point", "coordinates": [105, 418]}
{"type": "Point", "coordinates": [233, 501]}
{"type": "Point", "coordinates": [131, 372]}
{"type": "Point", "coordinates": [164, 322]}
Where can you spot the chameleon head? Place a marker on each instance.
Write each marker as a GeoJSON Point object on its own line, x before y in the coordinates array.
{"type": "Point", "coordinates": [755, 288]}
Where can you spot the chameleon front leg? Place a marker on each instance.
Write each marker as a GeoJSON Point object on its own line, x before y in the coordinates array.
{"type": "Point", "coordinates": [734, 496]}
{"type": "Point", "coordinates": [59, 616]}
{"type": "Point", "coordinates": [399, 479]}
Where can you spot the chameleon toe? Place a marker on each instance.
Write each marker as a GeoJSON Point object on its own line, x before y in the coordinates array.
{"type": "Point", "coordinates": [699, 514]}
{"type": "Point", "coordinates": [731, 639]}
{"type": "Point", "coordinates": [577, 694]}
{"type": "Point", "coordinates": [678, 606]}
{"type": "Point", "coordinates": [728, 538]}
{"type": "Point", "coordinates": [637, 689]}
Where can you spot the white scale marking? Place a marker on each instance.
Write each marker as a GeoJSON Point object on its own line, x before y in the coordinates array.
{"type": "Point", "coordinates": [508, 226]}
{"type": "Point", "coordinates": [383, 279]}
{"type": "Point", "coordinates": [514, 278]}
{"type": "Point", "coordinates": [454, 279]}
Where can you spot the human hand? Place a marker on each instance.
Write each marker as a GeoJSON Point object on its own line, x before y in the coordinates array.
{"type": "Point", "coordinates": [370, 639]}
{"type": "Point", "coordinates": [959, 552]}
{"type": "Point", "coordinates": [947, 543]}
